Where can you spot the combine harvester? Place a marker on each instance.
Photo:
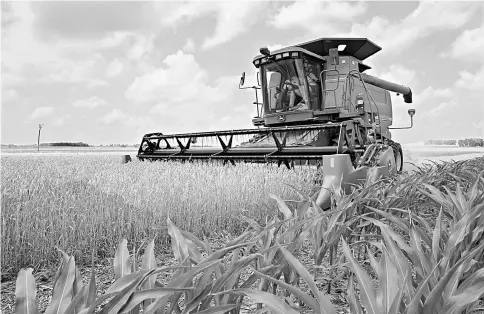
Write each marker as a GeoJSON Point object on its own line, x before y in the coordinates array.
{"type": "Point", "coordinates": [318, 107]}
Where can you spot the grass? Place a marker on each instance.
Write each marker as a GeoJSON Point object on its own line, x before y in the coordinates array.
{"type": "Point", "coordinates": [71, 202]}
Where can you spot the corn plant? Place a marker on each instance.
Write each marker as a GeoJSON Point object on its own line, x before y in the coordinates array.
{"type": "Point", "coordinates": [447, 265]}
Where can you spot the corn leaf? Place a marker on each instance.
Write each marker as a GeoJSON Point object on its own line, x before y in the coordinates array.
{"type": "Point", "coordinates": [63, 261]}
{"type": "Point", "coordinates": [455, 200]}
{"type": "Point", "coordinates": [220, 253]}
{"type": "Point", "coordinates": [222, 309]}
{"type": "Point", "coordinates": [91, 294]}
{"type": "Point", "coordinates": [472, 279]}
{"type": "Point", "coordinates": [204, 280]}
{"type": "Point", "coordinates": [355, 306]}
{"type": "Point", "coordinates": [179, 282]}
{"type": "Point", "coordinates": [121, 260]}
{"type": "Point", "coordinates": [149, 262]}
{"type": "Point", "coordinates": [77, 285]}
{"type": "Point", "coordinates": [282, 206]}
{"type": "Point", "coordinates": [301, 295]}
{"type": "Point", "coordinates": [324, 303]}
{"type": "Point", "coordinates": [367, 292]}
{"type": "Point", "coordinates": [122, 297]}
{"type": "Point", "coordinates": [98, 302]}
{"type": "Point", "coordinates": [436, 253]}
{"type": "Point", "coordinates": [395, 236]}
{"type": "Point", "coordinates": [465, 299]}
{"type": "Point", "coordinates": [178, 243]}
{"type": "Point", "coordinates": [273, 302]}
{"type": "Point", "coordinates": [125, 281]}
{"type": "Point", "coordinates": [436, 293]}
{"type": "Point", "coordinates": [62, 293]}
{"type": "Point", "coordinates": [234, 270]}
{"type": "Point", "coordinates": [25, 292]}
{"type": "Point", "coordinates": [419, 259]}
{"type": "Point", "coordinates": [373, 262]}
{"type": "Point", "coordinates": [387, 283]}
{"type": "Point", "coordinates": [397, 301]}
{"type": "Point", "coordinates": [139, 296]}
{"type": "Point", "coordinates": [436, 195]}
{"type": "Point", "coordinates": [415, 304]}
{"type": "Point", "coordinates": [195, 240]}
{"type": "Point", "coordinates": [458, 233]}
{"type": "Point", "coordinates": [473, 191]}
{"type": "Point", "coordinates": [451, 286]}
{"type": "Point", "coordinates": [195, 302]}
{"type": "Point", "coordinates": [78, 302]}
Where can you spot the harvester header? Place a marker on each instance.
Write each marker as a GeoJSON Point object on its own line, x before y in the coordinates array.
{"type": "Point", "coordinates": [316, 102]}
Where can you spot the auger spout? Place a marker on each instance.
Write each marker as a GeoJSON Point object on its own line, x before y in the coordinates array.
{"type": "Point", "coordinates": [397, 88]}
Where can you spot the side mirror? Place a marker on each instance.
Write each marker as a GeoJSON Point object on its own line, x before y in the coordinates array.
{"type": "Point", "coordinates": [242, 79]}
{"type": "Point", "coordinates": [258, 83]}
{"type": "Point", "coordinates": [411, 112]}
{"type": "Point", "coordinates": [334, 56]}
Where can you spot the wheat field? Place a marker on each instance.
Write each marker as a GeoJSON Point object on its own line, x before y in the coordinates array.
{"type": "Point", "coordinates": [71, 202]}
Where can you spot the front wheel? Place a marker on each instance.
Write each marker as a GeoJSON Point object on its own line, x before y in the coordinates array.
{"type": "Point", "coordinates": [398, 158]}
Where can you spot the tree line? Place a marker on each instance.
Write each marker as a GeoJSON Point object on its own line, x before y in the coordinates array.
{"type": "Point", "coordinates": [79, 144]}
{"type": "Point", "coordinates": [468, 142]}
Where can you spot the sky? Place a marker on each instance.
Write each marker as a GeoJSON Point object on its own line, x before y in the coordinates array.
{"type": "Point", "coordinates": [109, 72]}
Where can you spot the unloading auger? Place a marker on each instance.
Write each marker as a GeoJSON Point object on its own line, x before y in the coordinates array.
{"type": "Point", "coordinates": [318, 108]}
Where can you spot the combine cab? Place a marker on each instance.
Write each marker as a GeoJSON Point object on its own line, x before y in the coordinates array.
{"type": "Point", "coordinates": [318, 108]}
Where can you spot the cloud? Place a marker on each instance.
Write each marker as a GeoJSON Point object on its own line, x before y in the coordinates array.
{"type": "Point", "coordinates": [428, 18]}
{"type": "Point", "coordinates": [184, 98]}
{"type": "Point", "coordinates": [70, 71]}
{"type": "Point", "coordinates": [431, 93]}
{"type": "Point", "coordinates": [181, 79]}
{"type": "Point", "coordinates": [313, 16]}
{"type": "Point", "coordinates": [189, 45]}
{"type": "Point", "coordinates": [114, 39]}
{"type": "Point", "coordinates": [137, 124]}
{"type": "Point", "coordinates": [90, 103]}
{"type": "Point", "coordinates": [96, 83]}
{"type": "Point", "coordinates": [114, 116]}
{"type": "Point", "coordinates": [40, 112]}
{"type": "Point", "coordinates": [399, 74]}
{"type": "Point", "coordinates": [114, 68]}
{"type": "Point", "coordinates": [232, 17]}
{"type": "Point", "coordinates": [143, 45]}
{"type": "Point", "coordinates": [9, 95]}
{"type": "Point", "coordinates": [443, 106]}
{"type": "Point", "coordinates": [78, 20]}
{"type": "Point", "coordinates": [62, 120]}
{"type": "Point", "coordinates": [471, 81]}
{"type": "Point", "coordinates": [468, 46]}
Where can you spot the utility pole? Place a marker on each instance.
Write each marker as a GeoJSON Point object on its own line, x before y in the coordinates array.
{"type": "Point", "coordinates": [38, 138]}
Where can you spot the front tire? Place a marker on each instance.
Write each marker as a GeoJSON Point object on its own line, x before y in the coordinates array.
{"type": "Point", "coordinates": [397, 151]}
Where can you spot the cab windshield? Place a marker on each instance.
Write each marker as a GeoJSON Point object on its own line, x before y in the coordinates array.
{"type": "Point", "coordinates": [291, 84]}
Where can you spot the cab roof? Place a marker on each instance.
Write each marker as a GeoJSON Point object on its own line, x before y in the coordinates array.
{"type": "Point", "coordinates": [362, 67]}
{"type": "Point", "coordinates": [360, 48]}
